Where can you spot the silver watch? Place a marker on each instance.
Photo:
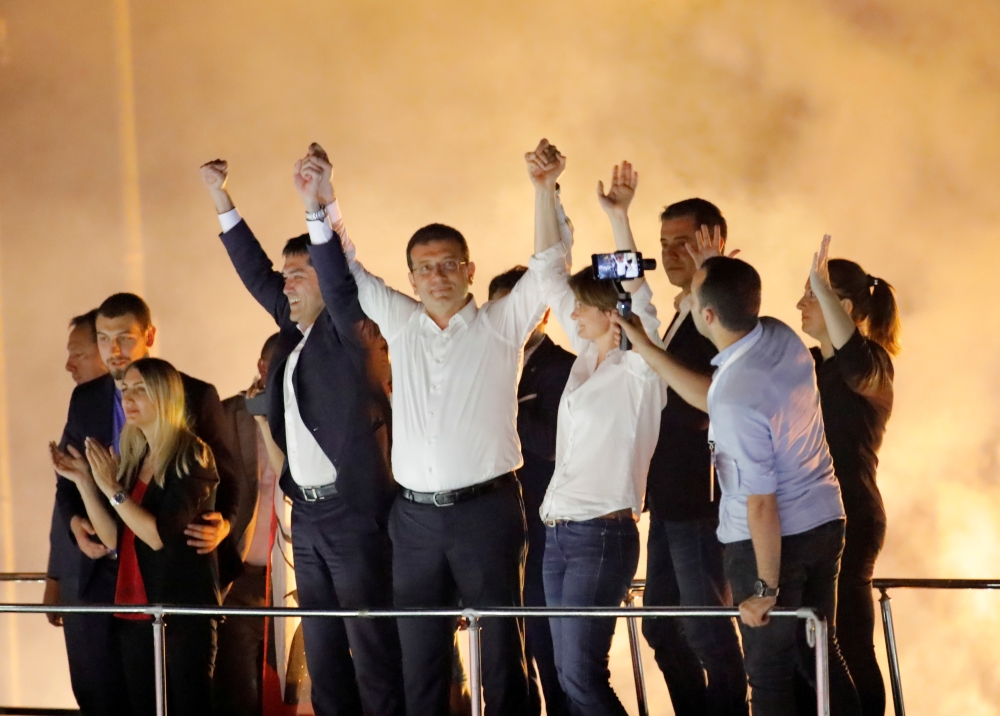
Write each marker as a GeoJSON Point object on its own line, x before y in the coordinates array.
{"type": "Point", "coordinates": [118, 498]}
{"type": "Point", "coordinates": [316, 215]}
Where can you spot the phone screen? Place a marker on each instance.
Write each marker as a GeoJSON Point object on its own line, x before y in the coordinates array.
{"type": "Point", "coordinates": [620, 266]}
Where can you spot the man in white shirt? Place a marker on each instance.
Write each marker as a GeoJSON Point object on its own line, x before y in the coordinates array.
{"type": "Point", "coordinates": [781, 516]}
{"type": "Point", "coordinates": [457, 528]}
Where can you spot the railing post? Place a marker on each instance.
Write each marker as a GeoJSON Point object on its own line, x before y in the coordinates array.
{"type": "Point", "coordinates": [816, 635]}
{"type": "Point", "coordinates": [637, 672]}
{"type": "Point", "coordinates": [475, 665]}
{"type": "Point", "coordinates": [890, 647]}
{"type": "Point", "coordinates": [159, 665]}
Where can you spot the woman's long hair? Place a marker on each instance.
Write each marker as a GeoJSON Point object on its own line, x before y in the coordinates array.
{"type": "Point", "coordinates": [873, 302]}
{"type": "Point", "coordinates": [179, 448]}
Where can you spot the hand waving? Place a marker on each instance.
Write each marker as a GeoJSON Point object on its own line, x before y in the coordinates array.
{"type": "Point", "coordinates": [619, 196]}
{"type": "Point", "coordinates": [104, 465]}
{"type": "Point", "coordinates": [708, 243]}
{"type": "Point", "coordinates": [819, 276]}
{"type": "Point", "coordinates": [545, 164]}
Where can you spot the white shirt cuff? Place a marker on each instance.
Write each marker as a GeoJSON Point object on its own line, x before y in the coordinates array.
{"type": "Point", "coordinates": [228, 220]}
{"type": "Point", "coordinates": [320, 231]}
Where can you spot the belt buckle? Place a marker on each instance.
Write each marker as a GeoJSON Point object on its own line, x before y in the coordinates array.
{"type": "Point", "coordinates": [309, 494]}
{"type": "Point", "coordinates": [434, 499]}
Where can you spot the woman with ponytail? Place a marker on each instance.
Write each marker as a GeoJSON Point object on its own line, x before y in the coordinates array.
{"type": "Point", "coordinates": [853, 316]}
{"type": "Point", "coordinates": [140, 505]}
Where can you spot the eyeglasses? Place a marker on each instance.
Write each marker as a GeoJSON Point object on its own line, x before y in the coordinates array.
{"type": "Point", "coordinates": [448, 266]}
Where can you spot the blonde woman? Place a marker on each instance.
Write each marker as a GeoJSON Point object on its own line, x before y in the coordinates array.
{"type": "Point", "coordinates": [140, 504]}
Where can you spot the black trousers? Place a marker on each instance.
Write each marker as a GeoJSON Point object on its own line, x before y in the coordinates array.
{"type": "Point", "coordinates": [684, 568]}
{"type": "Point", "coordinates": [239, 663]}
{"type": "Point", "coordinates": [343, 560]}
{"type": "Point", "coordinates": [95, 669]}
{"type": "Point", "coordinates": [856, 611]}
{"type": "Point", "coordinates": [190, 651]}
{"type": "Point", "coordinates": [471, 552]}
{"type": "Point", "coordinates": [776, 653]}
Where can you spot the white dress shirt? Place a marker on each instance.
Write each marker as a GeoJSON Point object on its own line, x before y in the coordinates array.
{"type": "Point", "coordinates": [454, 402]}
{"type": "Point", "coordinates": [307, 463]}
{"type": "Point", "coordinates": [768, 435]}
{"type": "Point", "coordinates": [608, 424]}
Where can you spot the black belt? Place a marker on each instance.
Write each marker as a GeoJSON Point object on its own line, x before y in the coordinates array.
{"type": "Point", "coordinates": [452, 497]}
{"type": "Point", "coordinates": [314, 494]}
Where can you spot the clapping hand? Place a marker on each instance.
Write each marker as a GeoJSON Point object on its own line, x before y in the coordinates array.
{"type": "Point", "coordinates": [545, 164]}
{"type": "Point", "coordinates": [708, 243]}
{"type": "Point", "coordinates": [104, 466]}
{"type": "Point", "coordinates": [69, 463]}
{"type": "Point", "coordinates": [621, 191]}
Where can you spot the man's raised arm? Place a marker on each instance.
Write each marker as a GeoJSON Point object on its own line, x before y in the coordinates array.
{"type": "Point", "coordinates": [389, 308]}
{"type": "Point", "coordinates": [251, 263]}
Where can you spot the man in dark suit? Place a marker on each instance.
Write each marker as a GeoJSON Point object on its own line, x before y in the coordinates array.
{"type": "Point", "coordinates": [239, 663]}
{"type": "Point", "coordinates": [684, 556]}
{"type": "Point", "coordinates": [329, 412]}
{"type": "Point", "coordinates": [125, 334]}
{"type": "Point", "coordinates": [543, 379]}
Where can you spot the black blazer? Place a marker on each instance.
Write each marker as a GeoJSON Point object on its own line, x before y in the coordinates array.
{"type": "Point", "coordinates": [340, 396]}
{"type": "Point", "coordinates": [247, 470]}
{"type": "Point", "coordinates": [678, 484]}
{"type": "Point", "coordinates": [177, 574]}
{"type": "Point", "coordinates": [91, 414]}
{"type": "Point", "coordinates": [544, 376]}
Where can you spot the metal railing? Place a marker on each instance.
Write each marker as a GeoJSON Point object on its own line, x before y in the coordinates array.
{"type": "Point", "coordinates": [816, 632]}
{"type": "Point", "coordinates": [883, 585]}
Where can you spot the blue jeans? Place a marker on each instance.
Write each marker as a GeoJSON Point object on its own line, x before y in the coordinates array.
{"type": "Point", "coordinates": [588, 564]}
{"type": "Point", "coordinates": [684, 568]}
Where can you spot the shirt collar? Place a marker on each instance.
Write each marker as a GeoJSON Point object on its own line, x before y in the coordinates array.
{"type": "Point", "coordinates": [464, 317]}
{"type": "Point", "coordinates": [722, 357]}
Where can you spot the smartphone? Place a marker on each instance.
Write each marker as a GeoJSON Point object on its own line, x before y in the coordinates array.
{"type": "Point", "coordinates": [620, 266]}
{"type": "Point", "coordinates": [257, 405]}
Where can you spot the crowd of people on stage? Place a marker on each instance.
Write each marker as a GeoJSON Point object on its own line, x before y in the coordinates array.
{"type": "Point", "coordinates": [416, 449]}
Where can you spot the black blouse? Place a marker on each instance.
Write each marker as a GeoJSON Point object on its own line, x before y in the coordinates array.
{"type": "Point", "coordinates": [855, 388]}
{"type": "Point", "coordinates": [177, 574]}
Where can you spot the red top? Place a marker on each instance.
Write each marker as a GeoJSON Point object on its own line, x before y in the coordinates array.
{"type": "Point", "coordinates": [130, 589]}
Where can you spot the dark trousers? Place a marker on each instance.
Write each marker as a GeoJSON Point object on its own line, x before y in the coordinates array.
{"type": "Point", "coordinates": [684, 568]}
{"type": "Point", "coordinates": [239, 663]}
{"type": "Point", "coordinates": [777, 651]}
{"type": "Point", "coordinates": [95, 669]}
{"type": "Point", "coordinates": [343, 561]}
{"type": "Point", "coordinates": [856, 612]}
{"type": "Point", "coordinates": [588, 564]}
{"type": "Point", "coordinates": [471, 552]}
{"type": "Point", "coordinates": [190, 652]}
{"type": "Point", "coordinates": [537, 634]}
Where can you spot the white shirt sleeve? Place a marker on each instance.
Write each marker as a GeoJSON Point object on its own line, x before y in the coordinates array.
{"type": "Point", "coordinates": [230, 219]}
{"type": "Point", "coordinates": [389, 308]}
{"type": "Point", "coordinates": [749, 449]}
{"type": "Point", "coordinates": [515, 315]}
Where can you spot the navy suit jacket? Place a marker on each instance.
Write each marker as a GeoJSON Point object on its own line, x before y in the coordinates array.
{"type": "Point", "coordinates": [91, 414]}
{"type": "Point", "coordinates": [340, 394]}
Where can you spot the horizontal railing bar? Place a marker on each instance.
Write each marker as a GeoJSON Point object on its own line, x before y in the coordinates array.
{"type": "Point", "coordinates": [33, 711]}
{"type": "Point", "coordinates": [153, 610]}
{"type": "Point", "coordinates": [22, 577]}
{"type": "Point", "coordinates": [936, 583]}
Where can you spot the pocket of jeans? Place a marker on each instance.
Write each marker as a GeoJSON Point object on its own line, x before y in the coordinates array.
{"type": "Point", "coordinates": [728, 474]}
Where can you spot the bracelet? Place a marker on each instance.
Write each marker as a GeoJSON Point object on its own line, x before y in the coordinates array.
{"type": "Point", "coordinates": [316, 215]}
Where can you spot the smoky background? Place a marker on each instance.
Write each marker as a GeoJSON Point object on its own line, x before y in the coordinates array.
{"type": "Point", "coordinates": [873, 120]}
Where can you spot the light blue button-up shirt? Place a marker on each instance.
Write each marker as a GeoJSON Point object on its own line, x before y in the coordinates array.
{"type": "Point", "coordinates": [768, 434]}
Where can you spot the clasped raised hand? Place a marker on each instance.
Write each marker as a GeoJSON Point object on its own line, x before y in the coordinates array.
{"type": "Point", "coordinates": [545, 164]}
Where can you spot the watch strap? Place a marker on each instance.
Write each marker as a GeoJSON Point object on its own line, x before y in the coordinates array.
{"type": "Point", "coordinates": [316, 215]}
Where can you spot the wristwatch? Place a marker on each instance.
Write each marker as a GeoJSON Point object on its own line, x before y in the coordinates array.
{"type": "Point", "coordinates": [316, 215]}
{"type": "Point", "coordinates": [760, 589]}
{"type": "Point", "coordinates": [118, 498]}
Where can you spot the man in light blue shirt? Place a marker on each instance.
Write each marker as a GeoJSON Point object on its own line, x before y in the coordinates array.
{"type": "Point", "coordinates": [781, 516]}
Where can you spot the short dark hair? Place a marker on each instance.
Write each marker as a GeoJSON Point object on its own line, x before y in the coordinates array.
{"type": "Point", "coordinates": [732, 289]}
{"type": "Point", "coordinates": [269, 345]}
{"type": "Point", "coordinates": [436, 232]}
{"type": "Point", "coordinates": [590, 291]}
{"type": "Point", "coordinates": [126, 304]}
{"type": "Point", "coordinates": [703, 212]}
{"type": "Point", "coordinates": [506, 281]}
{"type": "Point", "coordinates": [87, 321]}
{"type": "Point", "coordinates": [297, 246]}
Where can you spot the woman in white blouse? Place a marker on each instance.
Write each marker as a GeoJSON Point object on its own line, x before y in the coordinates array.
{"type": "Point", "coordinates": [608, 425]}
